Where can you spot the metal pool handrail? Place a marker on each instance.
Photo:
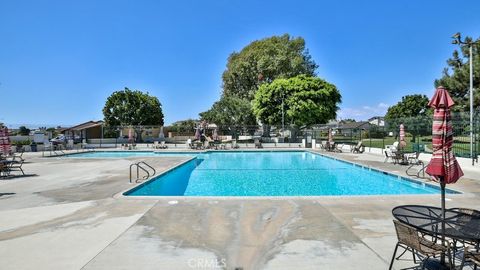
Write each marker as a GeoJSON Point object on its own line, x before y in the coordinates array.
{"type": "Point", "coordinates": [139, 166]}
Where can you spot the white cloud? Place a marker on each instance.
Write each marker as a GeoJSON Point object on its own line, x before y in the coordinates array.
{"type": "Point", "coordinates": [363, 112]}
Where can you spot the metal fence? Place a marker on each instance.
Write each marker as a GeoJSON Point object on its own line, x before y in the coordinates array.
{"type": "Point", "coordinates": [418, 134]}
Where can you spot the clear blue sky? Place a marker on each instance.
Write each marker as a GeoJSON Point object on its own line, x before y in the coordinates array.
{"type": "Point", "coordinates": [60, 60]}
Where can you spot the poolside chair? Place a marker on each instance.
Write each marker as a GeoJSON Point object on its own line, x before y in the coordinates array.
{"type": "Point", "coordinates": [393, 156]}
{"type": "Point", "coordinates": [258, 143]}
{"type": "Point", "coordinates": [13, 165]}
{"type": "Point", "coordinates": [359, 148]}
{"type": "Point", "coordinates": [19, 155]}
{"type": "Point", "coordinates": [47, 145]}
{"type": "Point", "coordinates": [3, 170]}
{"type": "Point", "coordinates": [338, 147]}
{"type": "Point", "coordinates": [235, 144]}
{"type": "Point", "coordinates": [410, 240]}
{"type": "Point", "coordinates": [156, 145]}
{"type": "Point", "coordinates": [163, 145]}
{"type": "Point", "coordinates": [190, 144]}
{"type": "Point", "coordinates": [472, 256]}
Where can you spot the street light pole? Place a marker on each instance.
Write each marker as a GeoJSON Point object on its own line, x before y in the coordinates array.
{"type": "Point", "coordinates": [457, 40]}
{"type": "Point", "coordinates": [471, 102]}
{"type": "Point", "coordinates": [283, 120]}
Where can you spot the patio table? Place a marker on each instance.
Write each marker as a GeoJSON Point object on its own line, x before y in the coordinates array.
{"type": "Point", "coordinates": [428, 219]}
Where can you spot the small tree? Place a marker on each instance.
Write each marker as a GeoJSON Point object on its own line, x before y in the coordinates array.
{"type": "Point", "coordinates": [132, 108]}
{"type": "Point", "coordinates": [306, 101]}
{"type": "Point", "coordinates": [23, 130]}
{"type": "Point", "coordinates": [409, 106]}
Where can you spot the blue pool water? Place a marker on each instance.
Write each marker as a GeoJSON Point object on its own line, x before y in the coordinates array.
{"type": "Point", "coordinates": [275, 174]}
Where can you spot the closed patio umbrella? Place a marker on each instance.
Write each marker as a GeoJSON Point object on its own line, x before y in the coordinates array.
{"type": "Point", "coordinates": [330, 140]}
{"type": "Point", "coordinates": [403, 143]}
{"type": "Point", "coordinates": [443, 166]}
{"type": "Point", "coordinates": [161, 136]}
{"type": "Point", "coordinates": [130, 135]}
{"type": "Point", "coordinates": [197, 134]}
{"type": "Point", "coordinates": [4, 141]}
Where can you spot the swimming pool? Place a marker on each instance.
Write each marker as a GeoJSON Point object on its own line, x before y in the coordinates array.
{"type": "Point", "coordinates": [275, 174]}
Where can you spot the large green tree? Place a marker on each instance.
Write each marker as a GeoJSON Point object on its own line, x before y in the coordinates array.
{"type": "Point", "coordinates": [263, 61]}
{"type": "Point", "coordinates": [230, 111]}
{"type": "Point", "coordinates": [307, 100]}
{"type": "Point", "coordinates": [132, 107]}
{"type": "Point", "coordinates": [409, 106]}
{"type": "Point", "coordinates": [456, 77]}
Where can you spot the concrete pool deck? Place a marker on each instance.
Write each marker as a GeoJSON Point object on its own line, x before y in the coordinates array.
{"type": "Point", "coordinates": [69, 215]}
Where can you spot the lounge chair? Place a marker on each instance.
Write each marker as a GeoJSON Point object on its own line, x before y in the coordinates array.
{"type": "Point", "coordinates": [156, 145]}
{"type": "Point", "coordinates": [190, 144]}
{"type": "Point", "coordinates": [410, 240]}
{"type": "Point", "coordinates": [235, 144]}
{"type": "Point", "coordinates": [338, 147]}
{"type": "Point", "coordinates": [359, 148]}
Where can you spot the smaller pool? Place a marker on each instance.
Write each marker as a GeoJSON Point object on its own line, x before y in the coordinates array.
{"type": "Point", "coordinates": [123, 154]}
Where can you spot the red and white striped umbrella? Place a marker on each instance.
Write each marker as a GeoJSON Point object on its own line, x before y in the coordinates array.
{"type": "Point", "coordinates": [403, 143]}
{"type": "Point", "coordinates": [5, 146]}
{"type": "Point", "coordinates": [443, 166]}
{"type": "Point", "coordinates": [197, 134]}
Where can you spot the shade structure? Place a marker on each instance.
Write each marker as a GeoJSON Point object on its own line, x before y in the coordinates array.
{"type": "Point", "coordinates": [161, 135]}
{"type": "Point", "coordinates": [197, 134]}
{"type": "Point", "coordinates": [5, 145]}
{"type": "Point", "coordinates": [443, 166]}
{"type": "Point", "coordinates": [130, 135]}
{"type": "Point", "coordinates": [403, 143]}
{"type": "Point", "coordinates": [215, 135]}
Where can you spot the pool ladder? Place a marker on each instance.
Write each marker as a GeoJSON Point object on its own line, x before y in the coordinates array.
{"type": "Point", "coordinates": [147, 169]}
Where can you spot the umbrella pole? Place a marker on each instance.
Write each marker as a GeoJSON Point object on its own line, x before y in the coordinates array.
{"type": "Point", "coordinates": [442, 185]}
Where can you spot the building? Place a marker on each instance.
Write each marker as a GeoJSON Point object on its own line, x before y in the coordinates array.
{"type": "Point", "coordinates": [87, 130]}
{"type": "Point", "coordinates": [377, 121]}
{"type": "Point", "coordinates": [353, 128]}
